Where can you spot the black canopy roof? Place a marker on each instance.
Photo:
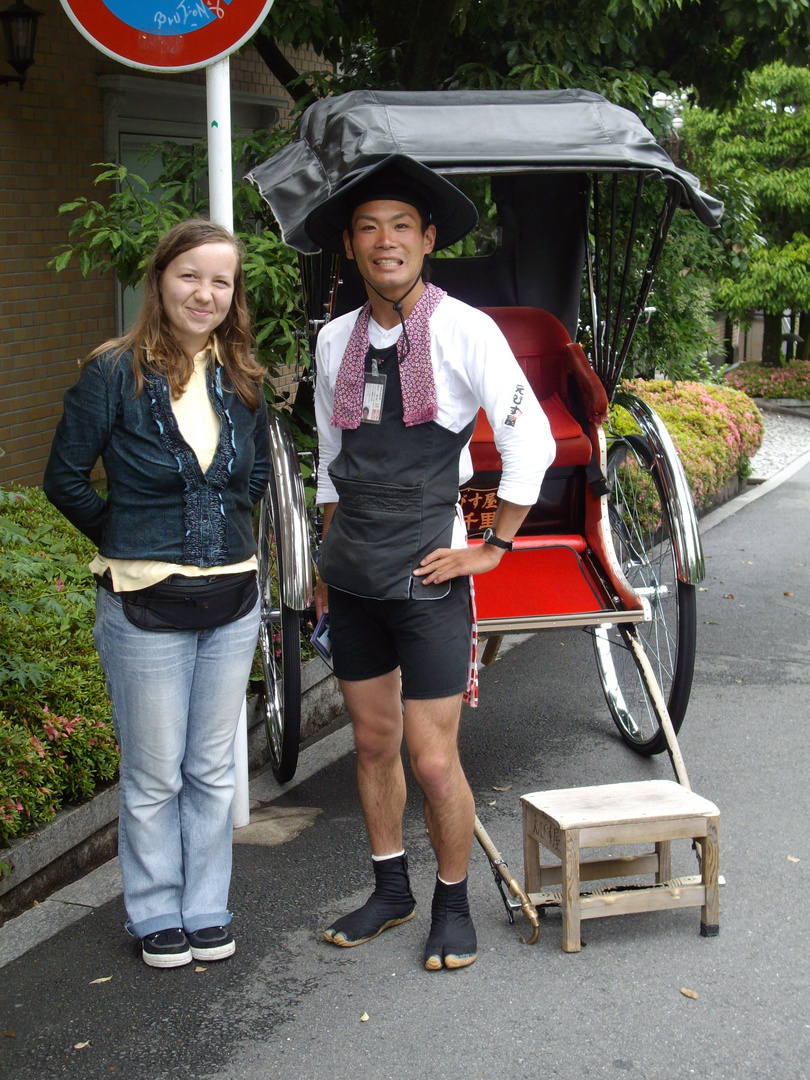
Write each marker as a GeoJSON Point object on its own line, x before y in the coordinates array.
{"type": "Point", "coordinates": [462, 132]}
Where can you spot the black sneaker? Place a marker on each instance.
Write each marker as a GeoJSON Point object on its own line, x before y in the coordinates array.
{"type": "Point", "coordinates": [212, 943]}
{"type": "Point", "coordinates": [166, 949]}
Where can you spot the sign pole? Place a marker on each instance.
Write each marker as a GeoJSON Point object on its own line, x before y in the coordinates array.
{"type": "Point", "coordinates": [220, 198]}
{"type": "Point", "coordinates": [220, 169]}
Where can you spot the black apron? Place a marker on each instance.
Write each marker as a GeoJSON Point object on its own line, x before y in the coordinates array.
{"type": "Point", "coordinates": [397, 488]}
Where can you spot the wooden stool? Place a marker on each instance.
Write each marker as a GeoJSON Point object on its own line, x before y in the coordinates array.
{"type": "Point", "coordinates": [653, 811]}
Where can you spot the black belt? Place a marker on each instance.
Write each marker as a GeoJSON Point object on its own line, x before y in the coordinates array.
{"type": "Point", "coordinates": [105, 581]}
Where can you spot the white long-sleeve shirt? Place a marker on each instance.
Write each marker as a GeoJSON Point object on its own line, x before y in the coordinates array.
{"type": "Point", "coordinates": [474, 368]}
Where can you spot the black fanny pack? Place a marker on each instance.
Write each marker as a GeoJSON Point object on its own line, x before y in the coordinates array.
{"type": "Point", "coordinates": [189, 603]}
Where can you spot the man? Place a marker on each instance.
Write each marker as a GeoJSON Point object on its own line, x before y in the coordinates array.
{"type": "Point", "coordinates": [399, 385]}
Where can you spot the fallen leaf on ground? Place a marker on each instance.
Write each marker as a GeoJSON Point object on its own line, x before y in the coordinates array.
{"type": "Point", "coordinates": [8, 1034]}
{"type": "Point", "coordinates": [493, 803]}
{"type": "Point", "coordinates": [106, 978]}
{"type": "Point", "coordinates": [689, 993]}
{"type": "Point", "coordinates": [198, 969]}
{"type": "Point", "coordinates": [502, 788]}
{"type": "Point", "coordinates": [728, 596]}
{"type": "Point", "coordinates": [792, 858]}
{"type": "Point", "coordinates": [81, 1046]}
{"type": "Point", "coordinates": [787, 593]}
{"type": "Point", "coordinates": [363, 1018]}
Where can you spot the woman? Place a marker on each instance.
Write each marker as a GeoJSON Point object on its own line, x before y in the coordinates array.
{"type": "Point", "coordinates": [175, 410]}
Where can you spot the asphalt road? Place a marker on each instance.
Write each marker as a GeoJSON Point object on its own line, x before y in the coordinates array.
{"type": "Point", "coordinates": [290, 1006]}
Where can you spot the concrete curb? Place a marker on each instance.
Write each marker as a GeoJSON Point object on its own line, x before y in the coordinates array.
{"type": "Point", "coordinates": [786, 406]}
{"type": "Point", "coordinates": [79, 837]}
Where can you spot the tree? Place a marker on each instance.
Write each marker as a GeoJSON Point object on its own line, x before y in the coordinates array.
{"type": "Point", "coordinates": [765, 140]}
{"type": "Point", "coordinates": [118, 235]}
{"type": "Point", "coordinates": [778, 278]}
{"type": "Point", "coordinates": [626, 49]}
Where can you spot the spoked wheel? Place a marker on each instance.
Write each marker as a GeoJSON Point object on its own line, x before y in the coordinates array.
{"type": "Point", "coordinates": [279, 646]}
{"type": "Point", "coordinates": [640, 520]}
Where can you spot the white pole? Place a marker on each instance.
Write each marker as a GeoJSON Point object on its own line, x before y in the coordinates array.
{"type": "Point", "coordinates": [241, 796]}
{"type": "Point", "coordinates": [220, 191]}
{"type": "Point", "coordinates": [220, 170]}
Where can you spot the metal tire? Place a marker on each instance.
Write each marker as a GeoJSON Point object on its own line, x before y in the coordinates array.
{"type": "Point", "coordinates": [279, 646]}
{"type": "Point", "coordinates": [648, 562]}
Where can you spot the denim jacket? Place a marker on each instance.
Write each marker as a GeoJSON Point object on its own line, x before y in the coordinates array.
{"type": "Point", "coordinates": [160, 504]}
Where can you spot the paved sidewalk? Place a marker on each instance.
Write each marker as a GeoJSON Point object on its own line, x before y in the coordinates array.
{"type": "Point", "coordinates": [785, 450]}
{"type": "Point", "coordinates": [287, 1006]}
{"type": "Point", "coordinates": [81, 1005]}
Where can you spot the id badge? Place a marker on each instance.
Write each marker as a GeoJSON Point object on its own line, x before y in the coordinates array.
{"type": "Point", "coordinates": [373, 397]}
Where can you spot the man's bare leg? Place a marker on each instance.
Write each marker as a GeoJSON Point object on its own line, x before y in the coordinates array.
{"type": "Point", "coordinates": [431, 734]}
{"type": "Point", "coordinates": [376, 711]}
{"type": "Point", "coordinates": [375, 707]}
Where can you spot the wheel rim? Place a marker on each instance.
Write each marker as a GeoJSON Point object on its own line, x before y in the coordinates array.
{"type": "Point", "coordinates": [270, 638]}
{"type": "Point", "coordinates": [642, 538]}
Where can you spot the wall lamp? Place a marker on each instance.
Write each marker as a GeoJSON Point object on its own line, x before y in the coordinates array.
{"type": "Point", "coordinates": [20, 31]}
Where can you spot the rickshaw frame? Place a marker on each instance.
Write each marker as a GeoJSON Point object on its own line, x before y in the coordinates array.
{"type": "Point", "coordinates": [553, 159]}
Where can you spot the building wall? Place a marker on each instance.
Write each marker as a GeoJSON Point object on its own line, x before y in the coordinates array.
{"type": "Point", "coordinates": [51, 134]}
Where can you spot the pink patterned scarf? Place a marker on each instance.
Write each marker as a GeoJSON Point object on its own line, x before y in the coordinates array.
{"type": "Point", "coordinates": [419, 403]}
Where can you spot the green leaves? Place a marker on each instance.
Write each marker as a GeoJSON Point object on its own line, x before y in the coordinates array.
{"type": "Point", "coordinates": [776, 278]}
{"type": "Point", "coordinates": [117, 236]}
{"type": "Point", "coordinates": [56, 741]}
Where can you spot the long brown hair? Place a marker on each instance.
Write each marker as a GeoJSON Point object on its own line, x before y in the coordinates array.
{"type": "Point", "coordinates": [154, 346]}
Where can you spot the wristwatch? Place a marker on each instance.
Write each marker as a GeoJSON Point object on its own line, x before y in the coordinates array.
{"type": "Point", "coordinates": [491, 538]}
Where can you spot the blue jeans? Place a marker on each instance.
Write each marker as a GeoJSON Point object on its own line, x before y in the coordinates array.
{"type": "Point", "coordinates": [176, 699]}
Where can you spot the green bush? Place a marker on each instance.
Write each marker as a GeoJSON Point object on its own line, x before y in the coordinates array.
{"type": "Point", "coordinates": [28, 780]}
{"type": "Point", "coordinates": [56, 737]}
{"type": "Point", "coordinates": [792, 380]}
{"type": "Point", "coordinates": [716, 430]}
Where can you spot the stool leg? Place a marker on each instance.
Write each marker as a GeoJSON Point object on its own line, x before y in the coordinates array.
{"type": "Point", "coordinates": [531, 856]}
{"type": "Point", "coordinates": [709, 873]}
{"type": "Point", "coordinates": [664, 851]}
{"type": "Point", "coordinates": [570, 891]}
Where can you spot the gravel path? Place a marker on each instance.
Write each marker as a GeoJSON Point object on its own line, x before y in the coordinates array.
{"type": "Point", "coordinates": [785, 438]}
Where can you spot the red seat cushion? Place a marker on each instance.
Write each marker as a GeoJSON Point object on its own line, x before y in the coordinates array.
{"type": "Point", "coordinates": [539, 342]}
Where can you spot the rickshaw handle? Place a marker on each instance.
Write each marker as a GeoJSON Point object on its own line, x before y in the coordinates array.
{"type": "Point", "coordinates": [630, 635]}
{"type": "Point", "coordinates": [514, 886]}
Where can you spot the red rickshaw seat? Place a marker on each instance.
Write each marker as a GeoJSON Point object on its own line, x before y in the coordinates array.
{"type": "Point", "coordinates": [541, 346]}
{"type": "Point", "coordinates": [553, 576]}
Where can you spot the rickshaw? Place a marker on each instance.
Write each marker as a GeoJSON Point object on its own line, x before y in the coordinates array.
{"type": "Point", "coordinates": [576, 199]}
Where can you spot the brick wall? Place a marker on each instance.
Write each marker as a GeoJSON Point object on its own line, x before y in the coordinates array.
{"type": "Point", "coordinates": [51, 133]}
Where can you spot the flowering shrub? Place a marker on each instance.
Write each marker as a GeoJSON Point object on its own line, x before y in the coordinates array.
{"type": "Point", "coordinates": [790, 381]}
{"type": "Point", "coordinates": [84, 751]}
{"type": "Point", "coordinates": [56, 739]}
{"type": "Point", "coordinates": [28, 788]}
{"type": "Point", "coordinates": [716, 430]}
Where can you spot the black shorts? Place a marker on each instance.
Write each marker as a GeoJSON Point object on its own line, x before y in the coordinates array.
{"type": "Point", "coordinates": [429, 640]}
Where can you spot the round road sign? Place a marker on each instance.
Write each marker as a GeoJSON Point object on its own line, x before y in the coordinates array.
{"type": "Point", "coordinates": [167, 35]}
